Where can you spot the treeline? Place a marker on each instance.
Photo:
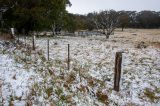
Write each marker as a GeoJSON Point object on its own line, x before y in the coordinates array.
{"type": "Point", "coordinates": [40, 15]}
{"type": "Point", "coordinates": [124, 19]}
{"type": "Point", "coordinates": [33, 15]}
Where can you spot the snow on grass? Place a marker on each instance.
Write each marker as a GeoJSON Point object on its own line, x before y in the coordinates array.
{"type": "Point", "coordinates": [89, 81]}
{"type": "Point", "coordinates": [15, 80]}
{"type": "Point", "coordinates": [96, 59]}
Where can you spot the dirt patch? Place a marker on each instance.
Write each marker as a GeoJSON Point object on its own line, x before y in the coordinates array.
{"type": "Point", "coordinates": [4, 36]}
{"type": "Point", "coordinates": [155, 44]}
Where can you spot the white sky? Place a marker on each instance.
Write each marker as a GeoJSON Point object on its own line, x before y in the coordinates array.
{"type": "Point", "coordinates": [86, 6]}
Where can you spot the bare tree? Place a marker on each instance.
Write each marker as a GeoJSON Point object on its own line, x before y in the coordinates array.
{"type": "Point", "coordinates": [106, 21]}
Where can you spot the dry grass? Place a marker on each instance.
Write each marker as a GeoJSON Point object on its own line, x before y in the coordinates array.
{"type": "Point", "coordinates": [4, 36]}
{"type": "Point", "coordinates": [151, 95]}
{"type": "Point", "coordinates": [151, 37]}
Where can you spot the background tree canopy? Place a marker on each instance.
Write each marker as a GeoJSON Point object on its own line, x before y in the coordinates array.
{"type": "Point", "coordinates": [123, 19]}
{"type": "Point", "coordinates": [29, 15]}
{"type": "Point", "coordinates": [35, 15]}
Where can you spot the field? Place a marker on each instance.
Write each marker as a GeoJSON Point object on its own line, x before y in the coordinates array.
{"type": "Point", "coordinates": [28, 78]}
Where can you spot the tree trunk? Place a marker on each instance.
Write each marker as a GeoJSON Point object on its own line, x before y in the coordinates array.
{"type": "Point", "coordinates": [53, 29]}
{"type": "Point", "coordinates": [12, 36]}
{"type": "Point", "coordinates": [122, 29]}
{"type": "Point", "coordinates": [107, 35]}
{"type": "Point", "coordinates": [12, 33]}
{"type": "Point", "coordinates": [104, 31]}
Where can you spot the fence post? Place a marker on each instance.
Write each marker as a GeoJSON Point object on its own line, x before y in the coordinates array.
{"type": "Point", "coordinates": [68, 57]}
{"type": "Point", "coordinates": [48, 48]}
{"type": "Point", "coordinates": [80, 75]}
{"type": "Point", "coordinates": [25, 38]}
{"type": "Point", "coordinates": [18, 38]}
{"type": "Point", "coordinates": [117, 75]}
{"type": "Point", "coordinates": [33, 42]}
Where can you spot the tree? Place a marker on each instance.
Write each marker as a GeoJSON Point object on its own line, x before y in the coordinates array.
{"type": "Point", "coordinates": [56, 13]}
{"type": "Point", "coordinates": [90, 22]}
{"type": "Point", "coordinates": [148, 19]}
{"type": "Point", "coordinates": [69, 23]}
{"type": "Point", "coordinates": [107, 21]}
{"type": "Point", "coordinates": [32, 15]}
{"type": "Point", "coordinates": [76, 22]}
{"type": "Point", "coordinates": [124, 19]}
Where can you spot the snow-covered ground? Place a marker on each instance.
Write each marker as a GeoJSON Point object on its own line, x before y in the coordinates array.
{"type": "Point", "coordinates": [89, 82]}
{"type": "Point", "coordinates": [95, 58]}
{"type": "Point", "coordinates": [15, 80]}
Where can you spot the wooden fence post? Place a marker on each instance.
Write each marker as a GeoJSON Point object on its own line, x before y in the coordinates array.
{"type": "Point", "coordinates": [80, 75]}
{"type": "Point", "coordinates": [33, 42]}
{"type": "Point", "coordinates": [68, 57]}
{"type": "Point", "coordinates": [25, 42]}
{"type": "Point", "coordinates": [48, 48]}
{"type": "Point", "coordinates": [117, 75]}
{"type": "Point", "coordinates": [18, 38]}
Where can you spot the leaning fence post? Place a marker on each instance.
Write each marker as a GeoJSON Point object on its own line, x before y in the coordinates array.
{"type": "Point", "coordinates": [68, 57]}
{"type": "Point", "coordinates": [33, 42]}
{"type": "Point", "coordinates": [117, 75]}
{"type": "Point", "coordinates": [48, 48]}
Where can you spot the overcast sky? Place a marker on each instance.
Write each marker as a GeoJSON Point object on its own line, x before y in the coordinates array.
{"type": "Point", "coordinates": [86, 6]}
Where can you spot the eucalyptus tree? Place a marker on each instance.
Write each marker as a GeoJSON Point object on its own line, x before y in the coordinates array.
{"type": "Point", "coordinates": [124, 19]}
{"type": "Point", "coordinates": [148, 19]}
{"type": "Point", "coordinates": [34, 14]}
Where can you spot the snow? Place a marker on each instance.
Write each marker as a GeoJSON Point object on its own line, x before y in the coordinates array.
{"type": "Point", "coordinates": [15, 80]}
{"type": "Point", "coordinates": [139, 67]}
{"type": "Point", "coordinates": [92, 70]}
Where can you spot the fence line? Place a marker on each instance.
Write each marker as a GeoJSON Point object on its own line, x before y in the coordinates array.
{"type": "Point", "coordinates": [118, 62]}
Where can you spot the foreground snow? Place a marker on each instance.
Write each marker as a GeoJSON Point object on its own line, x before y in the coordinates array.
{"type": "Point", "coordinates": [89, 82]}
{"type": "Point", "coordinates": [94, 58]}
{"type": "Point", "coordinates": [15, 81]}
{"type": "Point", "coordinates": [18, 75]}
